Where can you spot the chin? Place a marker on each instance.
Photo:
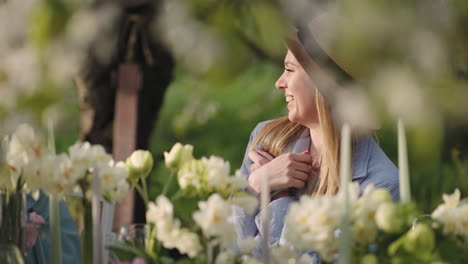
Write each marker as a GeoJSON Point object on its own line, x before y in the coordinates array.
{"type": "Point", "coordinates": [292, 117]}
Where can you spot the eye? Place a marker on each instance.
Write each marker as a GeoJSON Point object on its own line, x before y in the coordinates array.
{"type": "Point", "coordinates": [288, 70]}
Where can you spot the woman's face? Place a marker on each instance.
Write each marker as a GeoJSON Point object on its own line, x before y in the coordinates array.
{"type": "Point", "coordinates": [299, 91]}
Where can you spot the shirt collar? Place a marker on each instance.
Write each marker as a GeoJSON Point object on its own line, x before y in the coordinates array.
{"type": "Point", "coordinates": [360, 152]}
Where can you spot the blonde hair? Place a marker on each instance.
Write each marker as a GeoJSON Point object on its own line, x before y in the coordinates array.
{"type": "Point", "coordinates": [278, 135]}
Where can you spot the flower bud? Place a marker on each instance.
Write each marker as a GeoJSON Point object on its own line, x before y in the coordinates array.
{"type": "Point", "coordinates": [369, 259]}
{"type": "Point", "coordinates": [387, 218]}
{"type": "Point", "coordinates": [178, 155]}
{"type": "Point", "coordinates": [139, 164]}
{"type": "Point", "coordinates": [381, 195]}
{"type": "Point", "coordinates": [420, 240]}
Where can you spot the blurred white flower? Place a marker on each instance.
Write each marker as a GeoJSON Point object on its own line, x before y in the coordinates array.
{"type": "Point", "coordinates": [311, 223]}
{"type": "Point", "coordinates": [188, 39]}
{"type": "Point", "coordinates": [453, 214]}
{"type": "Point", "coordinates": [225, 257]}
{"type": "Point", "coordinates": [139, 165]}
{"type": "Point", "coordinates": [246, 259]}
{"type": "Point", "coordinates": [248, 245]}
{"type": "Point", "coordinates": [404, 95]}
{"type": "Point", "coordinates": [353, 106]}
{"type": "Point", "coordinates": [452, 200]}
{"type": "Point", "coordinates": [113, 182]}
{"type": "Point", "coordinates": [387, 218]}
{"type": "Point", "coordinates": [192, 175]}
{"type": "Point", "coordinates": [168, 229]}
{"type": "Point", "coordinates": [248, 203]}
{"type": "Point", "coordinates": [178, 156]}
{"type": "Point", "coordinates": [85, 156]}
{"type": "Point", "coordinates": [285, 254]}
{"type": "Point", "coordinates": [24, 153]}
{"type": "Point", "coordinates": [214, 219]}
{"type": "Point", "coordinates": [218, 172]}
{"type": "Point", "coordinates": [239, 181]}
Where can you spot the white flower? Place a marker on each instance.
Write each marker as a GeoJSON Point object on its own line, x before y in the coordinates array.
{"type": "Point", "coordinates": [453, 199]}
{"type": "Point", "coordinates": [214, 219]}
{"type": "Point", "coordinates": [238, 182]}
{"type": "Point", "coordinates": [452, 214]}
{"type": "Point", "coordinates": [311, 224]}
{"type": "Point", "coordinates": [178, 155]}
{"type": "Point", "coordinates": [387, 218]}
{"type": "Point", "coordinates": [226, 257]}
{"type": "Point", "coordinates": [249, 260]}
{"type": "Point", "coordinates": [168, 229]}
{"type": "Point", "coordinates": [192, 175]}
{"type": "Point", "coordinates": [248, 203]}
{"type": "Point", "coordinates": [25, 155]}
{"type": "Point", "coordinates": [88, 156]}
{"type": "Point", "coordinates": [461, 226]}
{"type": "Point", "coordinates": [248, 245]}
{"type": "Point", "coordinates": [218, 172]}
{"type": "Point", "coordinates": [285, 254]}
{"type": "Point", "coordinates": [186, 242]}
{"type": "Point", "coordinates": [139, 164]}
{"type": "Point", "coordinates": [160, 212]}
{"type": "Point", "coordinates": [113, 182]}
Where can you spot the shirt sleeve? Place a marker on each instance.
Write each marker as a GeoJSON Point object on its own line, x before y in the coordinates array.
{"type": "Point", "coordinates": [246, 163]}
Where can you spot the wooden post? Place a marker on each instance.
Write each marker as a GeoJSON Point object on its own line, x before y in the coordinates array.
{"type": "Point", "coordinates": [125, 131]}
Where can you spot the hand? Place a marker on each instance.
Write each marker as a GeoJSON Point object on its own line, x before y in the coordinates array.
{"type": "Point", "coordinates": [290, 170]}
{"type": "Point", "coordinates": [259, 158]}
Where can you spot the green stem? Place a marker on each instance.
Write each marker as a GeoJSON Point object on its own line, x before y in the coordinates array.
{"type": "Point", "coordinates": [55, 239]}
{"type": "Point", "coordinates": [13, 219]}
{"type": "Point", "coordinates": [168, 183]}
{"type": "Point", "coordinates": [143, 194]}
{"type": "Point", "coordinates": [87, 234]}
{"type": "Point", "coordinates": [145, 189]}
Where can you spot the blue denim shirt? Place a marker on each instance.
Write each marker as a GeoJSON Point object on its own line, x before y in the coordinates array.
{"type": "Point", "coordinates": [370, 166]}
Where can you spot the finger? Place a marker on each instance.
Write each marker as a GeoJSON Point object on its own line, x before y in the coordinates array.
{"type": "Point", "coordinates": [316, 161]}
{"type": "Point", "coordinates": [299, 175]}
{"type": "Point", "coordinates": [265, 154]}
{"type": "Point", "coordinates": [301, 157]}
{"type": "Point", "coordinates": [295, 183]}
{"type": "Point", "coordinates": [256, 158]}
{"type": "Point", "coordinates": [253, 167]}
{"type": "Point", "coordinates": [303, 167]}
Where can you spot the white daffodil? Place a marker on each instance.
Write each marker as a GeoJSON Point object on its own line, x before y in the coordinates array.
{"type": "Point", "coordinates": [248, 203]}
{"type": "Point", "coordinates": [168, 229]}
{"type": "Point", "coordinates": [238, 182]}
{"type": "Point", "coordinates": [218, 172]}
{"type": "Point", "coordinates": [225, 257]}
{"type": "Point", "coordinates": [452, 200]}
{"type": "Point", "coordinates": [86, 156]}
{"type": "Point", "coordinates": [248, 245]}
{"type": "Point", "coordinates": [213, 218]}
{"type": "Point", "coordinates": [192, 174]}
{"type": "Point", "coordinates": [285, 254]}
{"type": "Point", "coordinates": [311, 224]}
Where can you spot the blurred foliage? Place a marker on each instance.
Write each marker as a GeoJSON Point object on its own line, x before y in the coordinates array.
{"type": "Point", "coordinates": [216, 108]}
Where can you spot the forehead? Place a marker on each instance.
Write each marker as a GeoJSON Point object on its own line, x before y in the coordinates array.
{"type": "Point", "coordinates": [290, 57]}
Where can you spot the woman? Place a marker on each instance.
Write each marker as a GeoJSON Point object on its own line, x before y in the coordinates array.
{"type": "Point", "coordinates": [299, 154]}
{"type": "Point", "coordinates": [40, 252]}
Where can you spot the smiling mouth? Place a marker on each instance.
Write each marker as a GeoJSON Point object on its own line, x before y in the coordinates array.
{"type": "Point", "coordinates": [289, 98]}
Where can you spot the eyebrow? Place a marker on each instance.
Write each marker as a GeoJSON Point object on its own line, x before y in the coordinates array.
{"type": "Point", "coordinates": [286, 63]}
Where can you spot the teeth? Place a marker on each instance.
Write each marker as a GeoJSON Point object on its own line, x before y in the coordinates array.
{"type": "Point", "coordinates": [289, 98]}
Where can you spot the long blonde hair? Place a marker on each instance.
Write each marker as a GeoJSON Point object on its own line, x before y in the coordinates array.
{"type": "Point", "coordinates": [278, 135]}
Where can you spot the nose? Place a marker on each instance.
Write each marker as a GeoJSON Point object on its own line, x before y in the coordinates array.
{"type": "Point", "coordinates": [280, 83]}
